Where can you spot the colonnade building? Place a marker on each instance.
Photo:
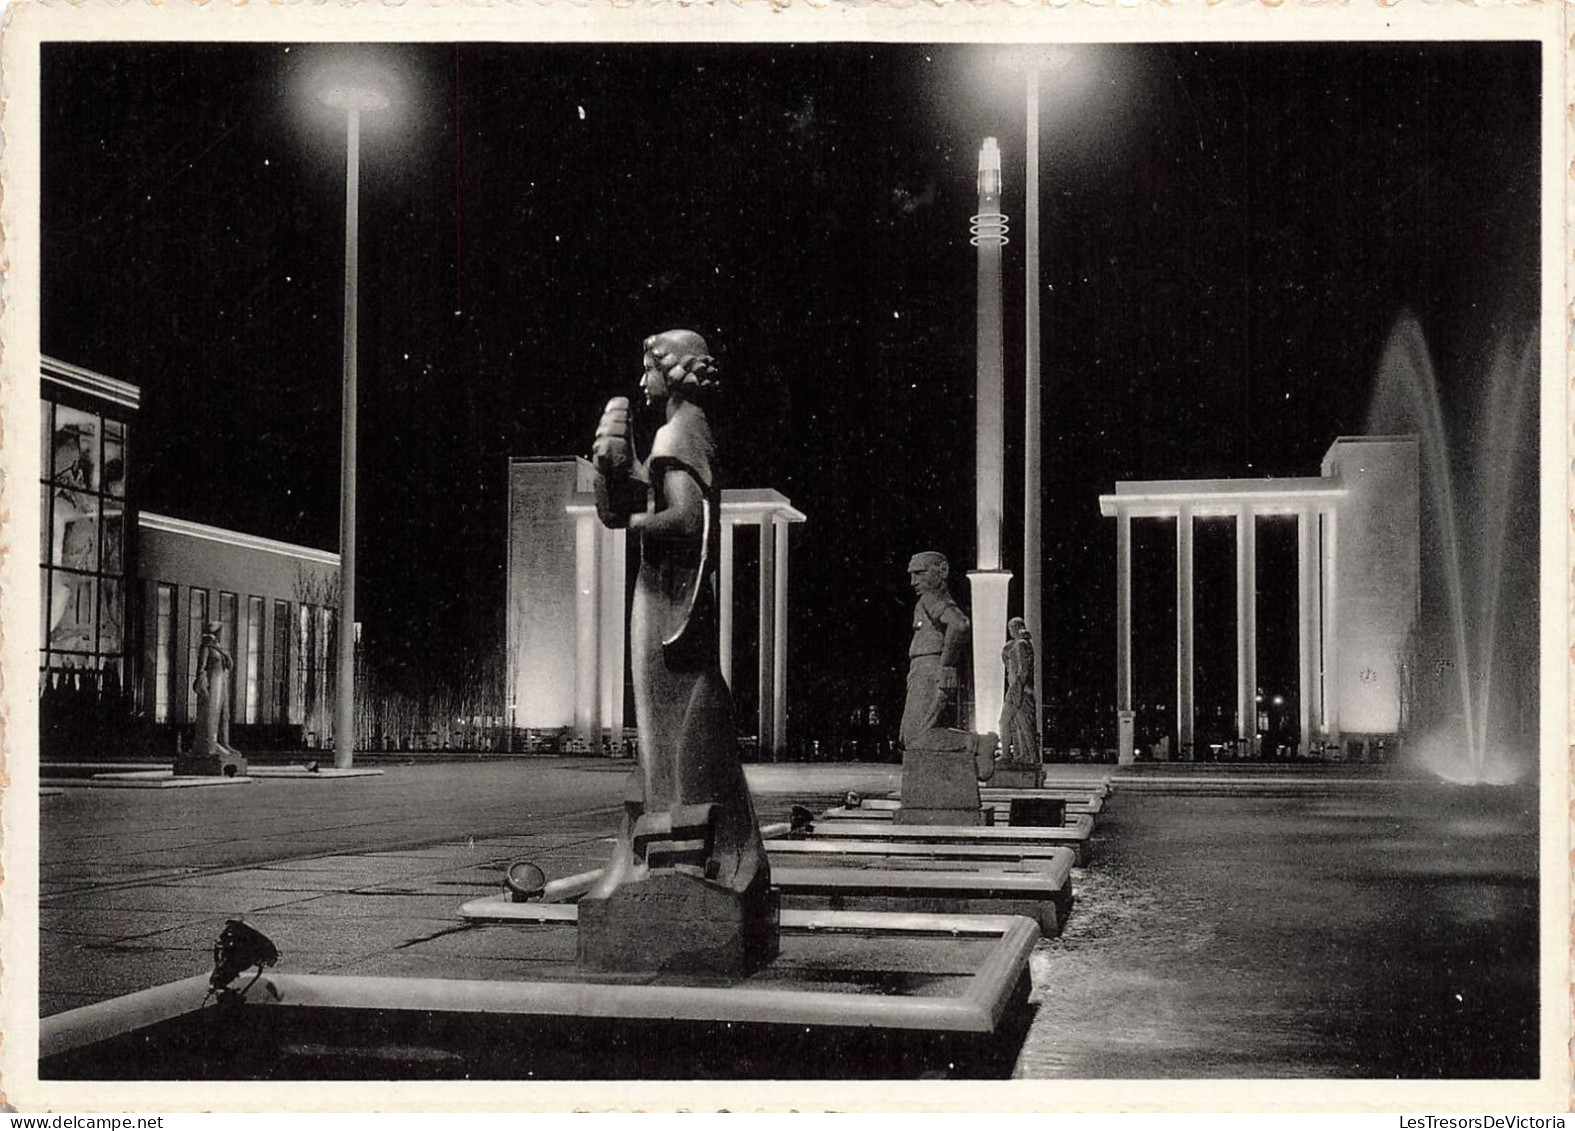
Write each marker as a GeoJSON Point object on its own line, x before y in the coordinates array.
{"type": "Point", "coordinates": [569, 586]}
{"type": "Point", "coordinates": [1358, 585]}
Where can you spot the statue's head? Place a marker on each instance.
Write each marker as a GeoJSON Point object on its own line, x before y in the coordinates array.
{"type": "Point", "coordinates": [928, 571]}
{"type": "Point", "coordinates": [211, 628]}
{"type": "Point", "coordinates": [1017, 629]}
{"type": "Point", "coordinates": [678, 364]}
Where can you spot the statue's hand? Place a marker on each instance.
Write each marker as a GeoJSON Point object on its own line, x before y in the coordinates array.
{"type": "Point", "coordinates": [618, 500]}
{"type": "Point", "coordinates": [612, 453]}
{"type": "Point", "coordinates": [945, 692]}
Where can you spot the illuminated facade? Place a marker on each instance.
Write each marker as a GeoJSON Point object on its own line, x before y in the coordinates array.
{"type": "Point", "coordinates": [568, 605]}
{"type": "Point", "coordinates": [276, 605]}
{"type": "Point", "coordinates": [123, 595]}
{"type": "Point", "coordinates": [86, 551]}
{"type": "Point", "coordinates": [1358, 587]}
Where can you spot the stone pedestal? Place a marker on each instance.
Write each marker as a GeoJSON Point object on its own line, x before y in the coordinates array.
{"type": "Point", "coordinates": [210, 764]}
{"type": "Point", "coordinates": [1126, 731]}
{"type": "Point", "coordinates": [939, 787]}
{"type": "Point", "coordinates": [1016, 775]}
{"type": "Point", "coordinates": [677, 923]}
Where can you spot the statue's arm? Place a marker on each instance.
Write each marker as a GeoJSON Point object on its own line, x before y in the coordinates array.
{"type": "Point", "coordinates": [955, 642]}
{"type": "Point", "coordinates": [954, 626]}
{"type": "Point", "coordinates": [1014, 678]}
{"type": "Point", "coordinates": [684, 514]}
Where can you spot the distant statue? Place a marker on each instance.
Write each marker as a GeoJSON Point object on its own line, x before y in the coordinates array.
{"type": "Point", "coordinates": [211, 751]}
{"type": "Point", "coordinates": [942, 765]}
{"type": "Point", "coordinates": [688, 887]}
{"type": "Point", "coordinates": [1020, 711]}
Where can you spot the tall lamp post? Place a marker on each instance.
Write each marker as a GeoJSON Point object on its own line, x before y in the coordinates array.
{"type": "Point", "coordinates": [1031, 62]}
{"type": "Point", "coordinates": [1032, 543]}
{"type": "Point", "coordinates": [354, 100]}
{"type": "Point", "coordinates": [988, 582]}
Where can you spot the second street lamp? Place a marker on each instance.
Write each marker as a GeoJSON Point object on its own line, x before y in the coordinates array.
{"type": "Point", "coordinates": [354, 100]}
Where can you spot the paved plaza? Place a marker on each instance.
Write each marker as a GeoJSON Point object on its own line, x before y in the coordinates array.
{"type": "Point", "coordinates": [1308, 923]}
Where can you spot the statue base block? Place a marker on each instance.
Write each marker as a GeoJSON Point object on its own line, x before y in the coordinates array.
{"type": "Point", "coordinates": [217, 764]}
{"type": "Point", "coordinates": [1016, 775]}
{"type": "Point", "coordinates": [676, 923]}
{"type": "Point", "coordinates": [939, 787]}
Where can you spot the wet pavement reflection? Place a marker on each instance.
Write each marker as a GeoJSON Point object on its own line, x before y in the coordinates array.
{"type": "Point", "coordinates": [1388, 934]}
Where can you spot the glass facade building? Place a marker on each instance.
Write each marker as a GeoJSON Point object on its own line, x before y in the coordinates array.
{"type": "Point", "coordinates": [87, 528]}
{"type": "Point", "coordinates": [125, 596]}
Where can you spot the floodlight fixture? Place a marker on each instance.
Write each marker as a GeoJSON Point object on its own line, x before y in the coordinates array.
{"type": "Point", "coordinates": [354, 97]}
{"type": "Point", "coordinates": [525, 881]}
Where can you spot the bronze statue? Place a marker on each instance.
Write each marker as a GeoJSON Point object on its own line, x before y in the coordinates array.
{"type": "Point", "coordinates": [942, 765]}
{"type": "Point", "coordinates": [688, 888]}
{"type": "Point", "coordinates": [211, 751]}
{"type": "Point", "coordinates": [1019, 712]}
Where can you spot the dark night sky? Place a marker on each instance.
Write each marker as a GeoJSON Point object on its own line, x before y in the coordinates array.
{"type": "Point", "coordinates": [1229, 234]}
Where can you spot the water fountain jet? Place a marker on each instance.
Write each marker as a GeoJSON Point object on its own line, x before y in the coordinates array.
{"type": "Point", "coordinates": [1479, 476]}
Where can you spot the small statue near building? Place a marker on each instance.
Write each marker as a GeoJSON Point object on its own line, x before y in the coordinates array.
{"type": "Point", "coordinates": [688, 888]}
{"type": "Point", "coordinates": [1020, 753]}
{"type": "Point", "coordinates": [211, 754]}
{"type": "Point", "coordinates": [941, 765]}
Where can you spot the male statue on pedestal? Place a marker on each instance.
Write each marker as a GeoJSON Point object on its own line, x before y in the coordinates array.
{"type": "Point", "coordinates": [941, 765]}
{"type": "Point", "coordinates": [688, 889]}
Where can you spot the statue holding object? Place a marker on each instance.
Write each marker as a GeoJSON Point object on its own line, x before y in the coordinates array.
{"type": "Point", "coordinates": [688, 889]}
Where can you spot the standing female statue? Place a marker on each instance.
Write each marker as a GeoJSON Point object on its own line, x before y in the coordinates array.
{"type": "Point", "coordinates": [211, 750]}
{"type": "Point", "coordinates": [688, 888]}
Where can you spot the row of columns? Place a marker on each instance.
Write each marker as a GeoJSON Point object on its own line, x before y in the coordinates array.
{"type": "Point", "coordinates": [1316, 603]}
{"type": "Point", "coordinates": [600, 584]}
{"type": "Point", "coordinates": [600, 565]}
{"type": "Point", "coordinates": [772, 603]}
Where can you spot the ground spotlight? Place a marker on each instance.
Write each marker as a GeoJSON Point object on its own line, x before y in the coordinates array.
{"type": "Point", "coordinates": [238, 948]}
{"type": "Point", "coordinates": [525, 881]}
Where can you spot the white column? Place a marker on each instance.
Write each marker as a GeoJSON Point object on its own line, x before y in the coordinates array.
{"type": "Point", "coordinates": [725, 599]}
{"type": "Point", "coordinates": [1123, 610]}
{"type": "Point", "coordinates": [989, 402]}
{"type": "Point", "coordinates": [989, 589]}
{"type": "Point", "coordinates": [1246, 624]}
{"type": "Point", "coordinates": [767, 605]}
{"type": "Point", "coordinates": [1184, 672]}
{"type": "Point", "coordinates": [1331, 622]}
{"type": "Point", "coordinates": [779, 647]}
{"type": "Point", "coordinates": [1308, 711]}
{"type": "Point", "coordinates": [1125, 752]}
{"type": "Point", "coordinates": [610, 606]}
{"type": "Point", "coordinates": [587, 627]}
